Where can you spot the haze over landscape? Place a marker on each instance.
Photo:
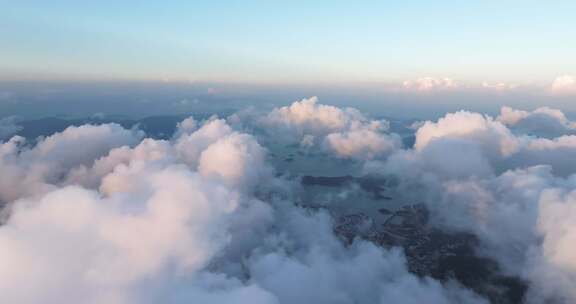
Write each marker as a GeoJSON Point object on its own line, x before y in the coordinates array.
{"type": "Point", "coordinates": [287, 152]}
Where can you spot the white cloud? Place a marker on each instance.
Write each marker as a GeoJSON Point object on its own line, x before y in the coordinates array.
{"type": "Point", "coordinates": [491, 135]}
{"type": "Point", "coordinates": [515, 192]}
{"type": "Point", "coordinates": [364, 274]}
{"type": "Point", "coordinates": [28, 171]}
{"type": "Point", "coordinates": [186, 126]}
{"type": "Point", "coordinates": [430, 84]}
{"type": "Point", "coordinates": [238, 160]}
{"type": "Point", "coordinates": [97, 214]}
{"type": "Point", "coordinates": [346, 133]}
{"type": "Point", "coordinates": [128, 220]}
{"type": "Point", "coordinates": [555, 152]}
{"type": "Point", "coordinates": [309, 117]}
{"type": "Point", "coordinates": [554, 264]}
{"type": "Point", "coordinates": [565, 84]}
{"type": "Point", "coordinates": [152, 218]}
{"type": "Point", "coordinates": [73, 246]}
{"type": "Point", "coordinates": [362, 144]}
{"type": "Point", "coordinates": [542, 122]}
{"type": "Point", "coordinates": [189, 144]}
{"type": "Point", "coordinates": [498, 86]}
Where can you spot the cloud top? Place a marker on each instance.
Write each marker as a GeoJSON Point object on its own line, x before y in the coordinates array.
{"type": "Point", "coordinates": [103, 214]}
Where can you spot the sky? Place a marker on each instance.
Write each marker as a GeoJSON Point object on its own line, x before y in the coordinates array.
{"type": "Point", "coordinates": [522, 42]}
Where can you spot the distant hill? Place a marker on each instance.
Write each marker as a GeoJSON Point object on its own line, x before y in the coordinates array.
{"type": "Point", "coordinates": [154, 126]}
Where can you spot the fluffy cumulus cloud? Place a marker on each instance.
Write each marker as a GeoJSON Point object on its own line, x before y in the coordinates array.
{"type": "Point", "coordinates": [237, 160]}
{"type": "Point", "coordinates": [491, 135]}
{"type": "Point", "coordinates": [498, 86]}
{"type": "Point", "coordinates": [553, 267]}
{"type": "Point", "coordinates": [524, 218]}
{"type": "Point", "coordinates": [102, 214]}
{"type": "Point", "coordinates": [509, 181]}
{"type": "Point", "coordinates": [72, 245]}
{"type": "Point", "coordinates": [476, 144]}
{"type": "Point", "coordinates": [346, 133]}
{"type": "Point", "coordinates": [34, 169]}
{"type": "Point", "coordinates": [363, 274]}
{"type": "Point", "coordinates": [430, 84]}
{"type": "Point", "coordinates": [366, 143]}
{"type": "Point", "coordinates": [445, 84]}
{"type": "Point", "coordinates": [542, 122]}
{"type": "Point", "coordinates": [565, 84]}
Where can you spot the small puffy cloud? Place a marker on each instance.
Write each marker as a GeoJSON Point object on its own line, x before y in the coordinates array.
{"type": "Point", "coordinates": [186, 126]}
{"type": "Point", "coordinates": [237, 159]}
{"type": "Point", "coordinates": [565, 84]}
{"type": "Point", "coordinates": [98, 175]}
{"type": "Point", "coordinates": [27, 171]}
{"type": "Point", "coordinates": [446, 158]}
{"type": "Point", "coordinates": [514, 191]}
{"type": "Point", "coordinates": [430, 84]}
{"type": "Point", "coordinates": [309, 117]}
{"type": "Point", "coordinates": [491, 135]}
{"type": "Point", "coordinates": [461, 139]}
{"type": "Point", "coordinates": [542, 122]}
{"type": "Point", "coordinates": [346, 133]}
{"type": "Point", "coordinates": [498, 86]}
{"type": "Point", "coordinates": [189, 145]}
{"type": "Point", "coordinates": [362, 144]}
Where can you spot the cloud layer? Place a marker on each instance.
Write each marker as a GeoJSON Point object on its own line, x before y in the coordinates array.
{"type": "Point", "coordinates": [103, 214]}
{"type": "Point", "coordinates": [499, 180]}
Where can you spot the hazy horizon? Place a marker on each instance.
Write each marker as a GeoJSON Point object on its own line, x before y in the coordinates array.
{"type": "Point", "coordinates": [35, 99]}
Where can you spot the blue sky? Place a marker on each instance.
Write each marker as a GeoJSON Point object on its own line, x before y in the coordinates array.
{"type": "Point", "coordinates": [289, 41]}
